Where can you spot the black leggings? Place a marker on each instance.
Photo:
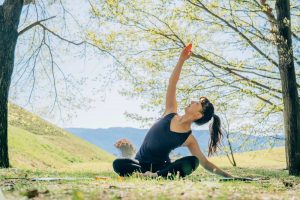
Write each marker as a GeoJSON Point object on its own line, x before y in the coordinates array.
{"type": "Point", "coordinates": [185, 166]}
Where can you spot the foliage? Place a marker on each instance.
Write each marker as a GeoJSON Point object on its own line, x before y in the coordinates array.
{"type": "Point", "coordinates": [234, 60]}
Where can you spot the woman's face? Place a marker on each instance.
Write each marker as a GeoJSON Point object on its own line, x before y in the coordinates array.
{"type": "Point", "coordinates": [195, 107]}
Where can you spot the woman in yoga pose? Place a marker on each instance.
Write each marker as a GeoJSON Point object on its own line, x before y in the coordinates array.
{"type": "Point", "coordinates": [172, 131]}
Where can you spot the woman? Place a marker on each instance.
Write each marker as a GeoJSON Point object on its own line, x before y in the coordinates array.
{"type": "Point", "coordinates": [172, 131]}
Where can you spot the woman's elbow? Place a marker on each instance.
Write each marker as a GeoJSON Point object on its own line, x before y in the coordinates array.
{"type": "Point", "coordinates": [204, 163]}
{"type": "Point", "coordinates": [210, 167]}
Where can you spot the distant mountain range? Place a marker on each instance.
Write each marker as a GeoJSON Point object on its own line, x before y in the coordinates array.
{"type": "Point", "coordinates": [106, 138]}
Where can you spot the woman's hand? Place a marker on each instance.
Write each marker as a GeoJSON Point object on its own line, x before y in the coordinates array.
{"type": "Point", "coordinates": [186, 52]}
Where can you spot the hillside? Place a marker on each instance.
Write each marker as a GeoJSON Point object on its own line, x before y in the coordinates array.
{"type": "Point", "coordinates": [36, 143]}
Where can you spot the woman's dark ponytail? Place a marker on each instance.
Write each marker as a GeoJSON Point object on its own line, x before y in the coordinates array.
{"type": "Point", "coordinates": [215, 134]}
{"type": "Point", "coordinates": [214, 128]}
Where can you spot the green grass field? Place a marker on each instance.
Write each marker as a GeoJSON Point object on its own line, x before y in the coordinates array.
{"type": "Point", "coordinates": [276, 184]}
{"type": "Point", "coordinates": [39, 149]}
{"type": "Point", "coordinates": [271, 159]}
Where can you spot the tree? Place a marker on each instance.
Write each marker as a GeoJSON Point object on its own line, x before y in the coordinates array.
{"type": "Point", "coordinates": [227, 133]}
{"type": "Point", "coordinates": [236, 138]}
{"type": "Point", "coordinates": [31, 39]}
{"type": "Point", "coordinates": [291, 102]}
{"type": "Point", "coordinates": [236, 44]}
{"type": "Point", "coordinates": [9, 21]}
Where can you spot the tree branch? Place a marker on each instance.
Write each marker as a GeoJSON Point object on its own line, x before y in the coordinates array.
{"type": "Point", "coordinates": [238, 75]}
{"type": "Point", "coordinates": [60, 37]}
{"type": "Point", "coordinates": [34, 24]}
{"type": "Point", "coordinates": [202, 6]}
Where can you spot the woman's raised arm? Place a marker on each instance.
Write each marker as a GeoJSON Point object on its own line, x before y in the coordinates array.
{"type": "Point", "coordinates": [171, 103]}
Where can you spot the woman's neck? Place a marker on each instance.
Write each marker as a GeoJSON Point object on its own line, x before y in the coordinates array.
{"type": "Point", "coordinates": [185, 121]}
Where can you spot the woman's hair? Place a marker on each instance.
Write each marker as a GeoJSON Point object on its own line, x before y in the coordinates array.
{"type": "Point", "coordinates": [214, 128]}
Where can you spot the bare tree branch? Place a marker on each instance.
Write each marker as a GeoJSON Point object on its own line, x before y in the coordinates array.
{"type": "Point", "coordinates": [34, 24]}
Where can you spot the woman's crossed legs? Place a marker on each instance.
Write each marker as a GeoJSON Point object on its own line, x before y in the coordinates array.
{"type": "Point", "coordinates": [184, 166]}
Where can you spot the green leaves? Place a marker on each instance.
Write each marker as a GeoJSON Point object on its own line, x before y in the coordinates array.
{"type": "Point", "coordinates": [233, 48]}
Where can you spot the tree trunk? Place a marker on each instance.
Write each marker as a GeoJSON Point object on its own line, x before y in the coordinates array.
{"type": "Point", "coordinates": [289, 87]}
{"type": "Point", "coordinates": [9, 21]}
{"type": "Point", "coordinates": [231, 152]}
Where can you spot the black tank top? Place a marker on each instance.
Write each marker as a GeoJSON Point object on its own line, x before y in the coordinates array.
{"type": "Point", "coordinates": [160, 141]}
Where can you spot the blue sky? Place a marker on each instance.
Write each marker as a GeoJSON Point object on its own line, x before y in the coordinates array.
{"type": "Point", "coordinates": [104, 112]}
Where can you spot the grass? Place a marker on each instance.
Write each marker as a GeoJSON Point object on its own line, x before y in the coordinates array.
{"type": "Point", "coordinates": [269, 158]}
{"type": "Point", "coordinates": [276, 183]}
{"type": "Point", "coordinates": [200, 185]}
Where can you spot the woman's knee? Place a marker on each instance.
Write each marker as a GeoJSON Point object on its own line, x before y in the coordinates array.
{"type": "Point", "coordinates": [125, 166]}
{"type": "Point", "coordinates": [195, 162]}
{"type": "Point", "coordinates": [191, 160]}
{"type": "Point", "coordinates": [186, 165]}
{"type": "Point", "coordinates": [116, 165]}
{"type": "Point", "coordinates": [119, 163]}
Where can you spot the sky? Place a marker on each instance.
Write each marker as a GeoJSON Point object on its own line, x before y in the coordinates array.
{"type": "Point", "coordinates": [107, 106]}
{"type": "Point", "coordinates": [104, 112]}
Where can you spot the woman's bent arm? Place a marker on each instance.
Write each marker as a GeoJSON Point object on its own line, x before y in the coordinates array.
{"type": "Point", "coordinates": [194, 148]}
